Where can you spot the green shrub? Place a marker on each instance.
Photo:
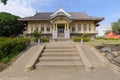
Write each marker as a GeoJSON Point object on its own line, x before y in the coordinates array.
{"type": "Point", "coordinates": [85, 35]}
{"type": "Point", "coordinates": [86, 39]}
{"type": "Point", "coordinates": [42, 40]}
{"type": "Point", "coordinates": [5, 60]}
{"type": "Point", "coordinates": [100, 38]}
{"type": "Point", "coordinates": [78, 39]}
{"type": "Point", "coordinates": [37, 34]}
{"type": "Point", "coordinates": [10, 47]}
{"type": "Point", "coordinates": [111, 39]}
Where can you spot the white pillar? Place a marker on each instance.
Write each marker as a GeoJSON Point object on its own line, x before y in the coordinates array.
{"type": "Point", "coordinates": [67, 32]}
{"type": "Point", "coordinates": [54, 31]}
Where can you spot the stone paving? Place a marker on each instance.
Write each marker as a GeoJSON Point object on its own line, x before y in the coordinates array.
{"type": "Point", "coordinates": [17, 70]}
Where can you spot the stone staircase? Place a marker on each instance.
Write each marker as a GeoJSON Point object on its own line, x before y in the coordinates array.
{"type": "Point", "coordinates": [60, 56]}
{"type": "Point", "coordinates": [61, 39]}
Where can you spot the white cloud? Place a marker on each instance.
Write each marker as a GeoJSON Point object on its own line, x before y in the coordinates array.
{"type": "Point", "coordinates": [17, 8]}
{"type": "Point", "coordinates": [24, 8]}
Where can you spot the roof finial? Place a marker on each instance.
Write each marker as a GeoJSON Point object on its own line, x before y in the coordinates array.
{"type": "Point", "coordinates": [60, 7]}
{"type": "Point", "coordinates": [37, 11]}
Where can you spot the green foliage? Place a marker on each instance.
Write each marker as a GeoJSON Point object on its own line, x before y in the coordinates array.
{"type": "Point", "coordinates": [85, 35]}
{"type": "Point", "coordinates": [116, 26]}
{"type": "Point", "coordinates": [78, 39]}
{"type": "Point", "coordinates": [103, 38]}
{"type": "Point", "coordinates": [37, 34]}
{"type": "Point", "coordinates": [111, 39]}
{"type": "Point", "coordinates": [107, 32]}
{"type": "Point", "coordinates": [100, 38]}
{"type": "Point", "coordinates": [86, 39]}
{"type": "Point", "coordinates": [5, 60]}
{"type": "Point", "coordinates": [4, 1]}
{"type": "Point", "coordinates": [42, 40]}
{"type": "Point", "coordinates": [9, 25]}
{"type": "Point", "coordinates": [11, 47]}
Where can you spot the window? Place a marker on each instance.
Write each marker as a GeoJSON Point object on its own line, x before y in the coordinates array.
{"type": "Point", "coordinates": [85, 27]}
{"type": "Point", "coordinates": [36, 27]}
{"type": "Point", "coordinates": [73, 28]}
{"type": "Point", "coordinates": [31, 28]}
{"type": "Point", "coordinates": [89, 27]}
{"type": "Point", "coordinates": [48, 27]}
{"type": "Point", "coordinates": [42, 27]}
{"type": "Point", "coordinates": [79, 27]}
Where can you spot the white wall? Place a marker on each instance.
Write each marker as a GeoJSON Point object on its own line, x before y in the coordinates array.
{"type": "Point", "coordinates": [102, 29]}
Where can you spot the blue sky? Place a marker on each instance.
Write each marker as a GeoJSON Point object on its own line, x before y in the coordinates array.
{"type": "Point", "coordinates": [99, 8]}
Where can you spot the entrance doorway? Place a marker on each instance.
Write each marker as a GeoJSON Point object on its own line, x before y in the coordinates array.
{"type": "Point", "coordinates": [60, 30]}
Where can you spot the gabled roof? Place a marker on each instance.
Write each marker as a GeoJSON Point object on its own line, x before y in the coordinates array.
{"type": "Point", "coordinates": [72, 15]}
{"type": "Point", "coordinates": [60, 12]}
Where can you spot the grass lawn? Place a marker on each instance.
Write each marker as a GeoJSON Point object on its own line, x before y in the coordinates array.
{"type": "Point", "coordinates": [101, 42]}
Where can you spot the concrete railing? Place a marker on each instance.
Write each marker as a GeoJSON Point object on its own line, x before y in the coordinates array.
{"type": "Point", "coordinates": [84, 58]}
{"type": "Point", "coordinates": [37, 53]}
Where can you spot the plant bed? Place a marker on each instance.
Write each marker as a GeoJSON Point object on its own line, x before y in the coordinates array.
{"type": "Point", "coordinates": [10, 49]}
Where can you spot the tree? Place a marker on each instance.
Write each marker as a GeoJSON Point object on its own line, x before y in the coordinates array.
{"type": "Point", "coordinates": [85, 35]}
{"type": "Point", "coordinates": [9, 25]}
{"type": "Point", "coordinates": [4, 1]}
{"type": "Point", "coordinates": [107, 32]}
{"type": "Point", "coordinates": [37, 34]}
{"type": "Point", "coordinates": [116, 26]}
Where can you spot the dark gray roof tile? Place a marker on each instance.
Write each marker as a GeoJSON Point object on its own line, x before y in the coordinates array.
{"type": "Point", "coordinates": [74, 15]}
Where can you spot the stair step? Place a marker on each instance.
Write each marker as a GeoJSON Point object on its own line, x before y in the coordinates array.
{"type": "Point", "coordinates": [59, 47]}
{"type": "Point", "coordinates": [60, 54]}
{"type": "Point", "coordinates": [64, 58]}
{"type": "Point", "coordinates": [59, 64]}
{"type": "Point", "coordinates": [59, 50]}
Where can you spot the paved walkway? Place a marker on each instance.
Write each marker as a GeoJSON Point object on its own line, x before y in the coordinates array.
{"type": "Point", "coordinates": [17, 70]}
{"type": "Point", "coordinates": [95, 61]}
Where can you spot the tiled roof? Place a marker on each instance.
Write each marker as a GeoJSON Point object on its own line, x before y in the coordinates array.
{"type": "Point", "coordinates": [74, 16]}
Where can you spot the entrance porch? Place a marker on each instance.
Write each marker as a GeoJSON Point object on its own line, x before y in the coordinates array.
{"type": "Point", "coordinates": [61, 31]}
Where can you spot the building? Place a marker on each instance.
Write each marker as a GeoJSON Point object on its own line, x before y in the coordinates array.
{"type": "Point", "coordinates": [62, 24]}
{"type": "Point", "coordinates": [101, 30]}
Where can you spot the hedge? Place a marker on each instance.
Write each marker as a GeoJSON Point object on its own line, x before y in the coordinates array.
{"type": "Point", "coordinates": [78, 39]}
{"type": "Point", "coordinates": [11, 47]}
{"type": "Point", "coordinates": [103, 38]}
{"type": "Point", "coordinates": [42, 40]}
